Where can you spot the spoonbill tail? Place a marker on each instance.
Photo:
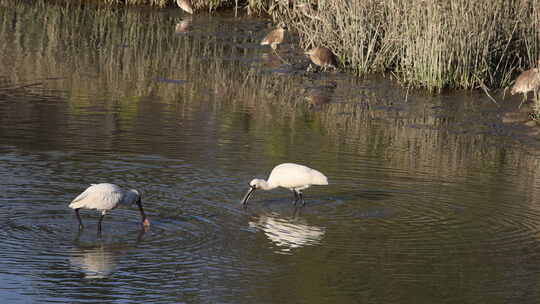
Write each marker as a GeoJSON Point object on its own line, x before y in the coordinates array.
{"type": "Point", "coordinates": [294, 177]}
{"type": "Point", "coordinates": [104, 197]}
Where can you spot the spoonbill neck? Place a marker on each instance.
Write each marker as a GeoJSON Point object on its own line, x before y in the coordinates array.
{"type": "Point", "coordinates": [130, 197]}
{"type": "Point", "coordinates": [266, 185]}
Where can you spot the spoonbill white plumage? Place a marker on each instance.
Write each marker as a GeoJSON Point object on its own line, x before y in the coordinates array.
{"type": "Point", "coordinates": [294, 177]}
{"type": "Point", "coordinates": [104, 197]}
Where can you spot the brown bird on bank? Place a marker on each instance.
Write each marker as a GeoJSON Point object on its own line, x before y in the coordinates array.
{"type": "Point", "coordinates": [322, 57]}
{"type": "Point", "coordinates": [526, 82]}
{"type": "Point", "coordinates": [275, 37]}
{"type": "Point", "coordinates": [185, 5]}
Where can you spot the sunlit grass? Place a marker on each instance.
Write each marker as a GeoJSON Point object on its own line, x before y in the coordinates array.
{"type": "Point", "coordinates": [428, 44]}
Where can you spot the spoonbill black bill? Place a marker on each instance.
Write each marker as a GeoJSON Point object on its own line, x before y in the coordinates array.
{"type": "Point", "coordinates": [104, 197]}
{"type": "Point", "coordinates": [526, 82]}
{"type": "Point", "coordinates": [291, 176]}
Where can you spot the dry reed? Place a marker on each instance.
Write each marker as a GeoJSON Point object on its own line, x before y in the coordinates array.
{"type": "Point", "coordinates": [429, 44]}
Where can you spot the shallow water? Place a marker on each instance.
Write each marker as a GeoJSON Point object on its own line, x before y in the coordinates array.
{"type": "Point", "coordinates": [431, 199]}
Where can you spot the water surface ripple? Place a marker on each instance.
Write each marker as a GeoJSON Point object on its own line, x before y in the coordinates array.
{"type": "Point", "coordinates": [431, 199]}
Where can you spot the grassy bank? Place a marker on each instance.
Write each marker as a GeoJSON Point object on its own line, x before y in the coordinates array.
{"type": "Point", "coordinates": [429, 44]}
{"type": "Point", "coordinates": [425, 44]}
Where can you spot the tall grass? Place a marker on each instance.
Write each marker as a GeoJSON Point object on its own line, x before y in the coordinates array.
{"type": "Point", "coordinates": [432, 44]}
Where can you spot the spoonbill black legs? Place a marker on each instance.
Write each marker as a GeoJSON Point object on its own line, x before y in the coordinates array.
{"type": "Point", "coordinates": [104, 197]}
{"type": "Point", "coordinates": [294, 177]}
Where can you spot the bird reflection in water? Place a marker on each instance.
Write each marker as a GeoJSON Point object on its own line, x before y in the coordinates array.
{"type": "Point", "coordinates": [319, 95]}
{"type": "Point", "coordinates": [288, 233]}
{"type": "Point", "coordinates": [183, 26]}
{"type": "Point", "coordinates": [98, 260]}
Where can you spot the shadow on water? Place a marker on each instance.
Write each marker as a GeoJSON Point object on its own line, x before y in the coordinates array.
{"type": "Point", "coordinates": [429, 198]}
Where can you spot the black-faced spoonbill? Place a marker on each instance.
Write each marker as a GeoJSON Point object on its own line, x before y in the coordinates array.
{"type": "Point", "coordinates": [294, 177]}
{"type": "Point", "coordinates": [526, 82]}
{"type": "Point", "coordinates": [104, 197]}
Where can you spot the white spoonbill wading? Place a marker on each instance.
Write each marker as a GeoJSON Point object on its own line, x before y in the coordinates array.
{"type": "Point", "coordinates": [294, 177]}
{"type": "Point", "coordinates": [104, 197]}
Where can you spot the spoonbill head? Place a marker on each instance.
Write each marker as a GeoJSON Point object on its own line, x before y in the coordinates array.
{"type": "Point", "coordinates": [291, 176]}
{"type": "Point", "coordinates": [104, 197]}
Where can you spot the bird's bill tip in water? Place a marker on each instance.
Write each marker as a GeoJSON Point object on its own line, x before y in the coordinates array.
{"type": "Point", "coordinates": [248, 195]}
{"type": "Point", "coordinates": [145, 221]}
